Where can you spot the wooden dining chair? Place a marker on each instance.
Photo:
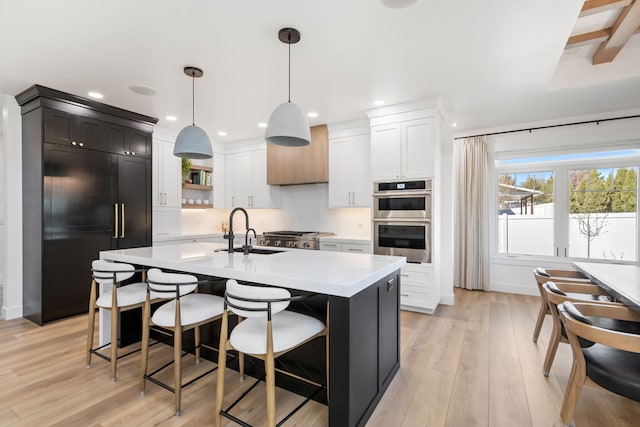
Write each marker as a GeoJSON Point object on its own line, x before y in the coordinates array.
{"type": "Point", "coordinates": [543, 275]}
{"type": "Point", "coordinates": [558, 293]}
{"type": "Point", "coordinates": [267, 332]}
{"type": "Point", "coordinates": [602, 358]}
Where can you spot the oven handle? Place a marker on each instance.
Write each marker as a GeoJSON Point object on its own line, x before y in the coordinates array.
{"type": "Point", "coordinates": [402, 220]}
{"type": "Point", "coordinates": [407, 193]}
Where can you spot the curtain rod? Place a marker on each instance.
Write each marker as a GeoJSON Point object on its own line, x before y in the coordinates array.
{"type": "Point", "coordinates": [549, 126]}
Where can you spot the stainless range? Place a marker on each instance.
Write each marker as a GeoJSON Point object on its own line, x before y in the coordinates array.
{"type": "Point", "coordinates": [292, 239]}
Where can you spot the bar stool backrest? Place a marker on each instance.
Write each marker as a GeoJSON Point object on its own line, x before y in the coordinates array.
{"type": "Point", "coordinates": [105, 271]}
{"type": "Point", "coordinates": [169, 285]}
{"type": "Point", "coordinates": [255, 301]}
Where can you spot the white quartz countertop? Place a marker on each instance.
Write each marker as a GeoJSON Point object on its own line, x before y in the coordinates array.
{"type": "Point", "coordinates": [332, 273]}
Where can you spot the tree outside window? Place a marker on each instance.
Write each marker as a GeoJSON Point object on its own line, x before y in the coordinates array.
{"type": "Point", "coordinates": [595, 194]}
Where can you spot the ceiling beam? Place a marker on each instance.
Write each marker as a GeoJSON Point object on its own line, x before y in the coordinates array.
{"type": "Point", "coordinates": [596, 6]}
{"type": "Point", "coordinates": [590, 37]}
{"type": "Point", "coordinates": [625, 26]}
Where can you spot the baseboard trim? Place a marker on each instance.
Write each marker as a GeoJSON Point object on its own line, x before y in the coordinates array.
{"type": "Point", "coordinates": [448, 299]}
{"type": "Point", "coordinates": [8, 313]}
{"type": "Point", "coordinates": [510, 288]}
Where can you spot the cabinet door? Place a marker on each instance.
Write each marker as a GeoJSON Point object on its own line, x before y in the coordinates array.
{"type": "Point", "coordinates": [90, 134]}
{"type": "Point", "coordinates": [79, 192]}
{"type": "Point", "coordinates": [388, 328]}
{"type": "Point", "coordinates": [171, 176]}
{"type": "Point", "coordinates": [116, 138]}
{"type": "Point", "coordinates": [360, 164]}
{"type": "Point", "coordinates": [386, 152]}
{"type": "Point", "coordinates": [167, 172]}
{"type": "Point", "coordinates": [157, 180]}
{"type": "Point", "coordinates": [260, 197]}
{"type": "Point", "coordinates": [418, 148]}
{"type": "Point", "coordinates": [238, 180]}
{"type": "Point", "coordinates": [134, 202]}
{"type": "Point", "coordinates": [59, 127]}
{"type": "Point", "coordinates": [340, 172]}
{"type": "Point", "coordinates": [140, 142]}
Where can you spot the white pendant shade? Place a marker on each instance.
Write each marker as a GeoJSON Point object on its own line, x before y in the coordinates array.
{"type": "Point", "coordinates": [288, 126]}
{"type": "Point", "coordinates": [193, 143]}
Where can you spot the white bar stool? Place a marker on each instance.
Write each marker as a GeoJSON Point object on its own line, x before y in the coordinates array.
{"type": "Point", "coordinates": [118, 299]}
{"type": "Point", "coordinates": [267, 332]}
{"type": "Point", "coordinates": [186, 310]}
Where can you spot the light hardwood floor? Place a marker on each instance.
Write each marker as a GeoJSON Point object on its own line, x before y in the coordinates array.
{"type": "Point", "coordinates": [472, 364]}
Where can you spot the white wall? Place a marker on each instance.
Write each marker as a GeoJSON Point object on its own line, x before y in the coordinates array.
{"type": "Point", "coordinates": [11, 204]}
{"type": "Point", "coordinates": [515, 275]}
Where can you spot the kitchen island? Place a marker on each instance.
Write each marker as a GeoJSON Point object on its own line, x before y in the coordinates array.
{"type": "Point", "coordinates": [361, 292]}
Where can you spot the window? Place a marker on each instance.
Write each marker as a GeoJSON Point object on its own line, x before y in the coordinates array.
{"type": "Point", "coordinates": [602, 211]}
{"type": "Point", "coordinates": [580, 205]}
{"type": "Point", "coordinates": [525, 213]}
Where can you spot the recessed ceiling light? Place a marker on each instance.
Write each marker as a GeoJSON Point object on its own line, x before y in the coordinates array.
{"type": "Point", "coordinates": [142, 90]}
{"type": "Point", "coordinates": [312, 114]}
{"type": "Point", "coordinates": [262, 125]}
{"type": "Point", "coordinates": [454, 124]}
{"type": "Point", "coordinates": [378, 102]}
{"type": "Point", "coordinates": [96, 95]}
{"type": "Point", "coordinates": [222, 133]}
{"type": "Point", "coordinates": [398, 4]}
{"type": "Point", "coordinates": [171, 118]}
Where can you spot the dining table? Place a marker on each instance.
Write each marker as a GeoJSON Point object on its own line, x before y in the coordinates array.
{"type": "Point", "coordinates": [622, 281]}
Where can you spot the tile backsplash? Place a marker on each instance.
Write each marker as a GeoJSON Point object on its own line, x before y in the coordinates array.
{"type": "Point", "coordinates": [301, 207]}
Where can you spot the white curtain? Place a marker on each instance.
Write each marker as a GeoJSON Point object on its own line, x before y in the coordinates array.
{"type": "Point", "coordinates": [471, 214]}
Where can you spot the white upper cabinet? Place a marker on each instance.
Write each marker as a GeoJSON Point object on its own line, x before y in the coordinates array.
{"type": "Point", "coordinates": [405, 149]}
{"type": "Point", "coordinates": [166, 169]}
{"type": "Point", "coordinates": [246, 180]}
{"type": "Point", "coordinates": [349, 172]}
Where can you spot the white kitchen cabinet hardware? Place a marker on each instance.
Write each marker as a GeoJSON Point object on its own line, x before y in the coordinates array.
{"type": "Point", "coordinates": [350, 172]}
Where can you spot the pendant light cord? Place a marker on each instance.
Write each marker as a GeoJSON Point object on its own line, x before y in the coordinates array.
{"type": "Point", "coordinates": [193, 97]}
{"type": "Point", "coordinates": [289, 66]}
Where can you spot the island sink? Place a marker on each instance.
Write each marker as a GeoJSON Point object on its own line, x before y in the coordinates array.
{"type": "Point", "coordinates": [258, 251]}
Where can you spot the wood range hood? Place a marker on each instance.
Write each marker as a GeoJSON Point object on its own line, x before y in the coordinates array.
{"type": "Point", "coordinates": [300, 165]}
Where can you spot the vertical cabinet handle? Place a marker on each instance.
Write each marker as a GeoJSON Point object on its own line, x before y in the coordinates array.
{"type": "Point", "coordinates": [115, 220]}
{"type": "Point", "coordinates": [122, 230]}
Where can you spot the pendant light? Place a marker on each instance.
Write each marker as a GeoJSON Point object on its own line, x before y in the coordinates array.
{"type": "Point", "coordinates": [288, 126]}
{"type": "Point", "coordinates": [192, 141]}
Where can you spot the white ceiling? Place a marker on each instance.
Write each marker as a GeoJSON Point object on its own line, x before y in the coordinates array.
{"type": "Point", "coordinates": [493, 62]}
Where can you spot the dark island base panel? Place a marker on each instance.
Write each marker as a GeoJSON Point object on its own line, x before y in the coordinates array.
{"type": "Point", "coordinates": [364, 345]}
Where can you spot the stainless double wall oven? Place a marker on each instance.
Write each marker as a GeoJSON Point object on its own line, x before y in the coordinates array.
{"type": "Point", "coordinates": [402, 219]}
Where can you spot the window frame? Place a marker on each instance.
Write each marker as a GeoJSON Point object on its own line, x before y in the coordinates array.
{"type": "Point", "coordinates": [560, 170]}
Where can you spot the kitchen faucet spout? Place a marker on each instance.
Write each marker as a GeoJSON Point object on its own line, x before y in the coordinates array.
{"type": "Point", "coordinates": [230, 234]}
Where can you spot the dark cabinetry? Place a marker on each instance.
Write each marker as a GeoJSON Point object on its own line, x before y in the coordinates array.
{"type": "Point", "coordinates": [65, 128]}
{"type": "Point", "coordinates": [86, 188]}
{"type": "Point", "coordinates": [368, 350]}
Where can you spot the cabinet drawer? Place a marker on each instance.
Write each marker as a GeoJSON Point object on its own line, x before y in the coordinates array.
{"type": "Point", "coordinates": [356, 248]}
{"type": "Point", "coordinates": [414, 276]}
{"type": "Point", "coordinates": [326, 246]}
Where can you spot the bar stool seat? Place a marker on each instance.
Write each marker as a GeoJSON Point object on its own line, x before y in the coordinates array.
{"type": "Point", "coordinates": [289, 330]}
{"type": "Point", "coordinates": [194, 308]}
{"type": "Point", "coordinates": [134, 293]}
